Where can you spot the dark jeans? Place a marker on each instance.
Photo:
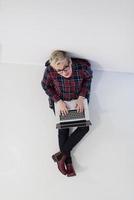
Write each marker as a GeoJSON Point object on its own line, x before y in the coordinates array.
{"type": "Point", "coordinates": [67, 142]}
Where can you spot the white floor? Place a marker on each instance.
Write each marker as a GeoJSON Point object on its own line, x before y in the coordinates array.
{"type": "Point", "coordinates": [104, 159]}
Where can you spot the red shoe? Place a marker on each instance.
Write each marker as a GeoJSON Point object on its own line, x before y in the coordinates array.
{"type": "Point", "coordinates": [60, 159]}
{"type": "Point", "coordinates": [70, 170]}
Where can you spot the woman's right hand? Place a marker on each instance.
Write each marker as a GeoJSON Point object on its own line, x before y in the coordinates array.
{"type": "Point", "coordinates": [62, 107]}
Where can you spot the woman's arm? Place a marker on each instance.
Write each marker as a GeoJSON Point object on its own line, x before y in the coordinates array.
{"type": "Point", "coordinates": [47, 84]}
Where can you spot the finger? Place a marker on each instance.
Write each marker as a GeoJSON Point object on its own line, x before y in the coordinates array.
{"type": "Point", "coordinates": [76, 106]}
{"type": "Point", "coordinates": [64, 112]}
{"type": "Point", "coordinates": [78, 109]}
{"type": "Point", "coordinates": [82, 109]}
{"type": "Point", "coordinates": [66, 109]}
{"type": "Point", "coordinates": [60, 112]}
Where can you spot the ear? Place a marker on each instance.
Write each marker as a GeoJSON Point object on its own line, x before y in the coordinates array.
{"type": "Point", "coordinates": [70, 61]}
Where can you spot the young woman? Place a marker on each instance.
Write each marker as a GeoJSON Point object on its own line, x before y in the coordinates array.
{"type": "Point", "coordinates": [64, 79]}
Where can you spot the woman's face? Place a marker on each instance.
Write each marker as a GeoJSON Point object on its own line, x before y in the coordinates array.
{"type": "Point", "coordinates": [64, 67]}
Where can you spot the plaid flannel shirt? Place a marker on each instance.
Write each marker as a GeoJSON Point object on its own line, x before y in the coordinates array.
{"type": "Point", "coordinates": [58, 87]}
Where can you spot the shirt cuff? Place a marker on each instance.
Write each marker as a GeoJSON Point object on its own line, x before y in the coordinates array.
{"type": "Point", "coordinates": [56, 98]}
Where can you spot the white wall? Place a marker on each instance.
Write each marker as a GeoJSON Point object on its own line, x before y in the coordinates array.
{"type": "Point", "coordinates": [101, 31]}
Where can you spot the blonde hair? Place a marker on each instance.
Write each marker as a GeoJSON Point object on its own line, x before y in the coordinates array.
{"type": "Point", "coordinates": [58, 55]}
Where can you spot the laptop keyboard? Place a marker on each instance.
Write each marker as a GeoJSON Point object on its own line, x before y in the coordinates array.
{"type": "Point", "coordinates": [73, 114]}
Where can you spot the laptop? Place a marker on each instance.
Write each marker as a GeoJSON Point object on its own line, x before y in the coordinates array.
{"type": "Point", "coordinates": [73, 118]}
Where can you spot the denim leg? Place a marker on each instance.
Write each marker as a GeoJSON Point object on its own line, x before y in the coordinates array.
{"type": "Point", "coordinates": [74, 138]}
{"type": "Point", "coordinates": [63, 135]}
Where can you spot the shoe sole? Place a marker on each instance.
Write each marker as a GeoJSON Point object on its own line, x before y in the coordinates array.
{"type": "Point", "coordinates": [70, 175]}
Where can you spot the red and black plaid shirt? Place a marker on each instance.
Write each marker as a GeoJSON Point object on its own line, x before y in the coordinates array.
{"type": "Point", "coordinates": [58, 87]}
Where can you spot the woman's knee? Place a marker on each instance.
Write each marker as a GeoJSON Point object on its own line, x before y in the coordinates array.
{"type": "Point", "coordinates": [63, 131]}
{"type": "Point", "coordinates": [85, 129]}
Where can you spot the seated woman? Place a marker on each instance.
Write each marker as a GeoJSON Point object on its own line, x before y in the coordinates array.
{"type": "Point", "coordinates": [64, 79]}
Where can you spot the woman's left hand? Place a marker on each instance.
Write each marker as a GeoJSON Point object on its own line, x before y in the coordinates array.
{"type": "Point", "coordinates": [80, 104]}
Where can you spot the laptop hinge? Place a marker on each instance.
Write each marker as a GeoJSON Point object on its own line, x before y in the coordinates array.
{"type": "Point", "coordinates": [80, 123]}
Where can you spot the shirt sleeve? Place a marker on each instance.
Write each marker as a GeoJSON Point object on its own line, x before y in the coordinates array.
{"type": "Point", "coordinates": [47, 84]}
{"type": "Point", "coordinates": [87, 78]}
